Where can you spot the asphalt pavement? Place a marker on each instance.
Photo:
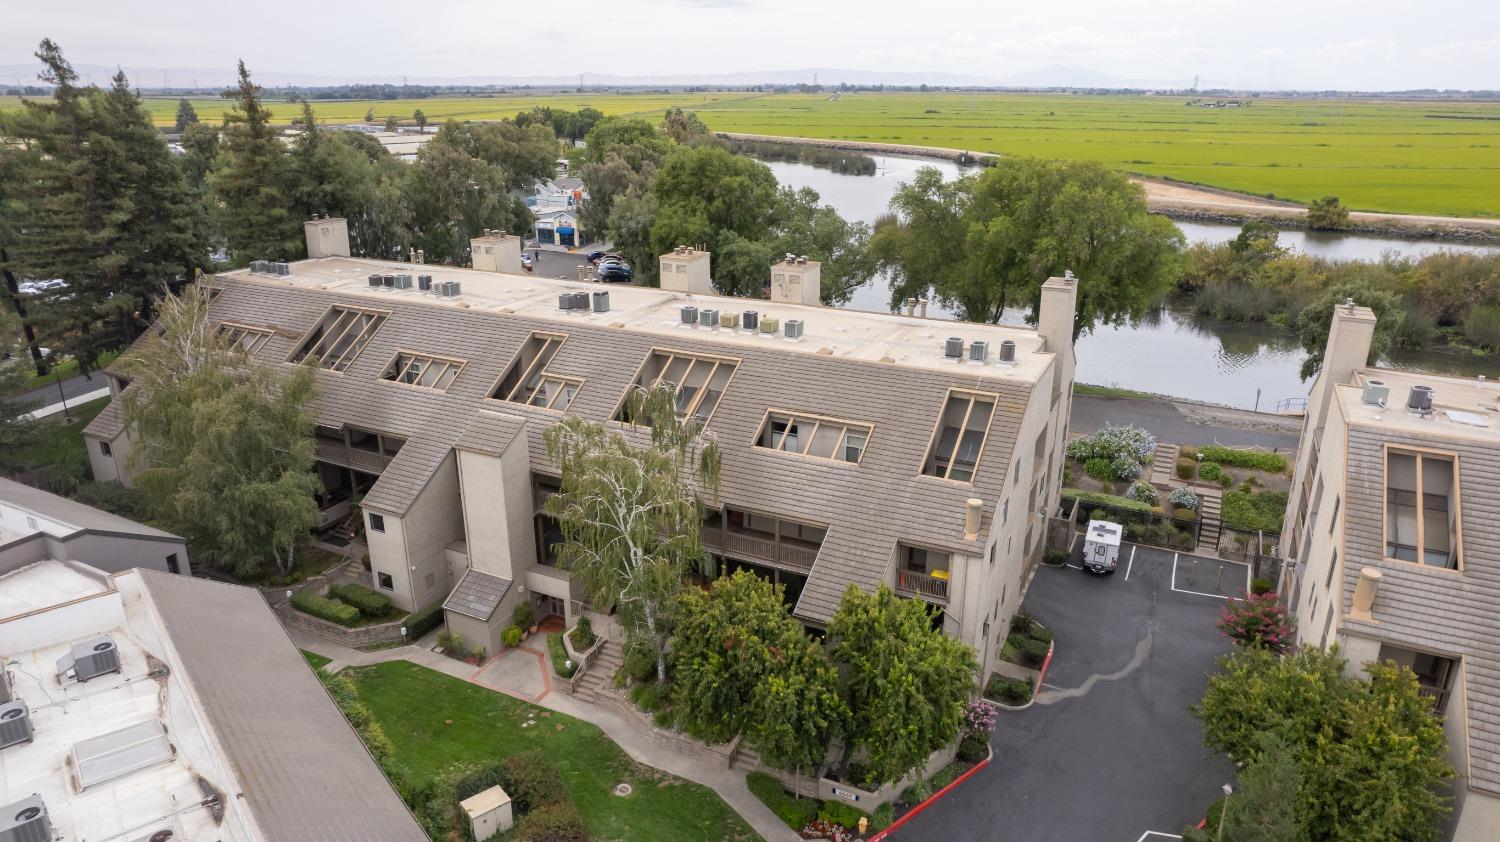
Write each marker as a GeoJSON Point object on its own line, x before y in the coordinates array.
{"type": "Point", "coordinates": [73, 387]}
{"type": "Point", "coordinates": [1182, 422]}
{"type": "Point", "coordinates": [1109, 751]}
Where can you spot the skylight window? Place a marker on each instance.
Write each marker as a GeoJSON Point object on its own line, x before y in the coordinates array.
{"type": "Point", "coordinates": [958, 441]}
{"type": "Point", "coordinates": [698, 380]}
{"type": "Point", "coordinates": [244, 337]}
{"type": "Point", "coordinates": [812, 435]}
{"type": "Point", "coordinates": [423, 370]}
{"type": "Point", "coordinates": [339, 337]}
{"type": "Point", "coordinates": [527, 380]}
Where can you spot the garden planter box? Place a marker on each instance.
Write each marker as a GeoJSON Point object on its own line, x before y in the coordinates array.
{"type": "Point", "coordinates": [831, 790]}
{"type": "Point", "coordinates": [577, 657]}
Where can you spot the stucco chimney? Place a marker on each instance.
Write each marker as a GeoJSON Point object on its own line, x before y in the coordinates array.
{"type": "Point", "coordinates": [1347, 352]}
{"type": "Point", "coordinates": [1364, 594]}
{"type": "Point", "coordinates": [797, 280]}
{"type": "Point", "coordinates": [687, 269]}
{"type": "Point", "coordinates": [973, 511]}
{"type": "Point", "coordinates": [326, 237]}
{"type": "Point", "coordinates": [495, 252]}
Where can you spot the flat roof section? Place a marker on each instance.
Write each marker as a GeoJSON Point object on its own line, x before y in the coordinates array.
{"type": "Point", "coordinates": [44, 584]}
{"type": "Point", "coordinates": [114, 755]}
{"type": "Point", "coordinates": [828, 331]}
{"type": "Point", "coordinates": [1461, 408]}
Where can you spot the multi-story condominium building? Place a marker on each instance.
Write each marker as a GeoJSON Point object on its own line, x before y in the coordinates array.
{"type": "Point", "coordinates": [1393, 529]}
{"type": "Point", "coordinates": [857, 447]}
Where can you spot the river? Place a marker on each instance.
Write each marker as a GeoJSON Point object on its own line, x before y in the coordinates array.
{"type": "Point", "coordinates": [1174, 351]}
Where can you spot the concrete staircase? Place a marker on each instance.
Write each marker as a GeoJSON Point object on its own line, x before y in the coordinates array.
{"type": "Point", "coordinates": [746, 759]}
{"type": "Point", "coordinates": [1163, 465]}
{"type": "Point", "coordinates": [1210, 501]}
{"type": "Point", "coordinates": [600, 677]}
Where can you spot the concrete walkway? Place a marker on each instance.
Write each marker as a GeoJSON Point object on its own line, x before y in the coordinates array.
{"type": "Point", "coordinates": [627, 734]}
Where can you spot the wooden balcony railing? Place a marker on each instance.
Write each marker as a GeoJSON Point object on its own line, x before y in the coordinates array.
{"type": "Point", "coordinates": [923, 585]}
{"type": "Point", "coordinates": [756, 547]}
{"type": "Point", "coordinates": [350, 457]}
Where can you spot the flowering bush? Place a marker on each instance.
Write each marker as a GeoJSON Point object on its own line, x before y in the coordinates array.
{"type": "Point", "coordinates": [1126, 467]}
{"type": "Point", "coordinates": [979, 718]}
{"type": "Point", "coordinates": [1142, 492]}
{"type": "Point", "coordinates": [1126, 449]}
{"type": "Point", "coordinates": [1258, 621]}
{"type": "Point", "coordinates": [1183, 498]}
{"type": "Point", "coordinates": [823, 829]}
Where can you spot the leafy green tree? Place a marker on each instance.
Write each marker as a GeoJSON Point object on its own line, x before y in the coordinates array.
{"type": "Point", "coordinates": [1316, 320]}
{"type": "Point", "coordinates": [369, 115]}
{"type": "Point", "coordinates": [15, 319]}
{"type": "Point", "coordinates": [803, 226]}
{"type": "Point", "coordinates": [252, 182]}
{"type": "Point", "coordinates": [741, 267]}
{"type": "Point", "coordinates": [224, 443]}
{"type": "Point", "coordinates": [630, 220]}
{"type": "Point", "coordinates": [419, 118]}
{"type": "Point", "coordinates": [1264, 806]}
{"type": "Point", "coordinates": [1327, 214]}
{"type": "Point", "coordinates": [985, 243]}
{"type": "Point", "coordinates": [684, 127]}
{"type": "Point", "coordinates": [391, 123]}
{"type": "Point", "coordinates": [636, 140]}
{"type": "Point", "coordinates": [705, 192]}
{"type": "Point", "coordinates": [17, 430]}
{"type": "Point", "coordinates": [454, 196]}
{"type": "Point", "coordinates": [607, 180]}
{"type": "Point", "coordinates": [1371, 750]}
{"type": "Point", "coordinates": [796, 708]}
{"type": "Point", "coordinates": [526, 155]}
{"type": "Point", "coordinates": [630, 513]}
{"type": "Point", "coordinates": [186, 115]}
{"type": "Point", "coordinates": [335, 174]}
{"type": "Point", "coordinates": [905, 682]}
{"type": "Point", "coordinates": [1257, 241]}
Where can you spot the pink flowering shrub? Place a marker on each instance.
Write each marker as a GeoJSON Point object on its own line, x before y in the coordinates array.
{"type": "Point", "coordinates": [979, 718]}
{"type": "Point", "coordinates": [1258, 621]}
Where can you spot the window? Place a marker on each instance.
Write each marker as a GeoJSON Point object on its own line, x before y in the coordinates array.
{"type": "Point", "coordinates": [698, 380]}
{"type": "Point", "coordinates": [423, 370]}
{"type": "Point", "coordinates": [384, 579]}
{"type": "Point", "coordinates": [959, 439]}
{"type": "Point", "coordinates": [1333, 564]}
{"type": "Point", "coordinates": [1334, 520]}
{"type": "Point", "coordinates": [104, 449]}
{"type": "Point", "coordinates": [1421, 515]}
{"type": "Point", "coordinates": [811, 435]}
{"type": "Point", "coordinates": [243, 337]}
{"type": "Point", "coordinates": [377, 522]}
{"type": "Point", "coordinates": [339, 337]}
{"type": "Point", "coordinates": [527, 381]}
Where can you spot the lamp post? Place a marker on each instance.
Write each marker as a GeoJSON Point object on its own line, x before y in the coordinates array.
{"type": "Point", "coordinates": [57, 376]}
{"type": "Point", "coordinates": [1224, 811]}
{"type": "Point", "coordinates": [1198, 472]}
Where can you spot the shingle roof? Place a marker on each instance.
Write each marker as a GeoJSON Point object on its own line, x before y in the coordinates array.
{"type": "Point", "coordinates": [478, 594]}
{"type": "Point", "coordinates": [74, 513]}
{"type": "Point", "coordinates": [301, 769]}
{"type": "Point", "coordinates": [490, 432]}
{"type": "Point", "coordinates": [108, 424]}
{"type": "Point", "coordinates": [867, 507]}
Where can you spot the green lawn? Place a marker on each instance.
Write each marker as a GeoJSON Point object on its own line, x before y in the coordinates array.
{"type": "Point", "coordinates": [315, 660]}
{"type": "Point", "coordinates": [62, 441]}
{"type": "Point", "coordinates": [66, 370]}
{"type": "Point", "coordinates": [434, 720]}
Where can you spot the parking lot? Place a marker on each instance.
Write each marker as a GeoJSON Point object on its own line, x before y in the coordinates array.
{"type": "Point", "coordinates": [1109, 751]}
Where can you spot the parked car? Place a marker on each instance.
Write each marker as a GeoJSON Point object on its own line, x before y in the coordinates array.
{"type": "Point", "coordinates": [615, 272]}
{"type": "Point", "coordinates": [526, 262]}
{"type": "Point", "coordinates": [595, 256]}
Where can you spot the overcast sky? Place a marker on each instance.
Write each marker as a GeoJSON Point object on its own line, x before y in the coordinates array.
{"type": "Point", "coordinates": [1346, 44]}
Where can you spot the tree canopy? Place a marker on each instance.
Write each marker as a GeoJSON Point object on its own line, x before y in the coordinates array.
{"type": "Point", "coordinates": [1316, 321]}
{"type": "Point", "coordinates": [253, 182]}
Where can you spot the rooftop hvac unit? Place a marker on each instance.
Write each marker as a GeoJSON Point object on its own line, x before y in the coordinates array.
{"type": "Point", "coordinates": [163, 835]}
{"type": "Point", "coordinates": [1419, 400]}
{"type": "Point", "coordinates": [387, 280]}
{"type": "Point", "coordinates": [424, 283]}
{"type": "Point", "coordinates": [5, 691]}
{"type": "Point", "coordinates": [581, 301]}
{"type": "Point", "coordinates": [953, 349]}
{"type": "Point", "coordinates": [729, 320]}
{"type": "Point", "coordinates": [375, 280]}
{"type": "Point", "coordinates": [1376, 393]}
{"type": "Point", "coordinates": [793, 329]}
{"type": "Point", "coordinates": [403, 282]}
{"type": "Point", "coordinates": [749, 319]}
{"type": "Point", "coordinates": [601, 301]}
{"type": "Point", "coordinates": [90, 660]}
{"type": "Point", "coordinates": [15, 723]}
{"type": "Point", "coordinates": [25, 821]}
{"type": "Point", "coordinates": [565, 301]}
{"type": "Point", "coordinates": [1008, 352]}
{"type": "Point", "coordinates": [689, 315]}
{"type": "Point", "coordinates": [769, 325]}
{"type": "Point", "coordinates": [449, 289]}
{"type": "Point", "coordinates": [708, 317]}
{"type": "Point", "coordinates": [979, 350]}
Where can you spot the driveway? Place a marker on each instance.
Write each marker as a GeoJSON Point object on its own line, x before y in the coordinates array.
{"type": "Point", "coordinates": [1109, 751]}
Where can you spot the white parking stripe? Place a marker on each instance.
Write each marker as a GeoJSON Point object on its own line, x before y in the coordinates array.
{"type": "Point", "coordinates": [1131, 563]}
{"type": "Point", "coordinates": [1156, 834]}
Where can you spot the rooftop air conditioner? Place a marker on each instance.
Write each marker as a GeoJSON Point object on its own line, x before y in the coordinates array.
{"type": "Point", "coordinates": [749, 320]}
{"type": "Point", "coordinates": [953, 349]}
{"type": "Point", "coordinates": [769, 325]}
{"type": "Point", "coordinates": [387, 280]}
{"type": "Point", "coordinates": [729, 320]}
{"type": "Point", "coordinates": [1419, 400]}
{"type": "Point", "coordinates": [1376, 393]}
{"type": "Point", "coordinates": [449, 289]}
{"type": "Point", "coordinates": [565, 301]}
{"type": "Point", "coordinates": [283, 268]}
{"type": "Point", "coordinates": [403, 282]}
{"type": "Point", "coordinates": [793, 329]}
{"type": "Point", "coordinates": [601, 301]}
{"type": "Point", "coordinates": [90, 660]}
{"type": "Point", "coordinates": [15, 723]}
{"type": "Point", "coordinates": [257, 266]}
{"type": "Point", "coordinates": [424, 283]}
{"type": "Point", "coordinates": [979, 350]}
{"type": "Point", "coordinates": [375, 280]}
{"type": "Point", "coordinates": [25, 821]}
{"type": "Point", "coordinates": [581, 301]}
{"type": "Point", "coordinates": [708, 317]}
{"type": "Point", "coordinates": [1008, 352]}
{"type": "Point", "coordinates": [689, 315]}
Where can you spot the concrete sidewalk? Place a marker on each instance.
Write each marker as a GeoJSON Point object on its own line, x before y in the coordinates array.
{"type": "Point", "coordinates": [728, 783]}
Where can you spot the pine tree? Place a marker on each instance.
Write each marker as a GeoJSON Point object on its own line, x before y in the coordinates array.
{"type": "Point", "coordinates": [186, 115]}
{"type": "Point", "coordinates": [252, 182]}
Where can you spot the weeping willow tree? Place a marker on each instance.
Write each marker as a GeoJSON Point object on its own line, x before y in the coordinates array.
{"type": "Point", "coordinates": [224, 449]}
{"type": "Point", "coordinates": [631, 514]}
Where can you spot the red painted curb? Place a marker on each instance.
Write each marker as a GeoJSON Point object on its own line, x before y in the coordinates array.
{"type": "Point", "coordinates": [929, 802]}
{"type": "Point", "coordinates": [1051, 647]}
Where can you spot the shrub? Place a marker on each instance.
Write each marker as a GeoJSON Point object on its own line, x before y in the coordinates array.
{"type": "Point", "coordinates": [552, 823]}
{"type": "Point", "coordinates": [1100, 469]}
{"type": "Point", "coordinates": [979, 718]}
{"type": "Point", "coordinates": [511, 637]}
{"type": "Point", "coordinates": [1260, 586]}
{"type": "Point", "coordinates": [1021, 623]}
{"type": "Point", "coordinates": [582, 635]}
{"type": "Point", "coordinates": [1212, 472]}
{"type": "Point", "coordinates": [1183, 498]}
{"type": "Point", "coordinates": [326, 609]}
{"type": "Point", "coordinates": [665, 718]}
{"type": "Point", "coordinates": [1185, 468]}
{"type": "Point", "coordinates": [1098, 514]}
{"type": "Point", "coordinates": [1011, 691]}
{"type": "Point", "coordinates": [1033, 650]}
{"type": "Point", "coordinates": [1482, 326]}
{"type": "Point", "coordinates": [114, 498]}
{"type": "Point", "coordinates": [1258, 622]}
{"type": "Point", "coordinates": [370, 603]}
{"type": "Point", "coordinates": [882, 817]}
{"type": "Point", "coordinates": [1095, 498]}
{"type": "Point", "coordinates": [1042, 634]}
{"type": "Point", "coordinates": [1184, 513]}
{"type": "Point", "coordinates": [1126, 467]}
{"type": "Point", "coordinates": [639, 662]}
{"type": "Point", "coordinates": [797, 813]}
{"type": "Point", "coordinates": [971, 749]}
{"type": "Point", "coordinates": [1055, 557]}
{"type": "Point", "coordinates": [451, 644]}
{"type": "Point", "coordinates": [532, 781]}
{"type": "Point", "coordinates": [1258, 459]}
{"type": "Point", "coordinates": [839, 813]}
{"type": "Point", "coordinates": [422, 622]}
{"type": "Point", "coordinates": [1114, 442]}
{"type": "Point", "coordinates": [561, 664]}
{"type": "Point", "coordinates": [1142, 492]}
{"type": "Point", "coordinates": [1262, 511]}
{"type": "Point", "coordinates": [524, 616]}
{"type": "Point", "coordinates": [1188, 452]}
{"type": "Point", "coordinates": [648, 697]}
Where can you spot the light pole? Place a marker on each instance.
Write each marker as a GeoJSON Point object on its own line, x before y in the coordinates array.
{"type": "Point", "coordinates": [1224, 811]}
{"type": "Point", "coordinates": [57, 376]}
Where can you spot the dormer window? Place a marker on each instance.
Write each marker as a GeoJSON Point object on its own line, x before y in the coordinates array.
{"type": "Point", "coordinates": [423, 370]}
{"type": "Point", "coordinates": [1421, 508]}
{"type": "Point", "coordinates": [243, 337]}
{"type": "Point", "coordinates": [813, 435]}
{"type": "Point", "coordinates": [958, 441]}
{"type": "Point", "coordinates": [526, 380]}
{"type": "Point", "coordinates": [699, 381]}
{"type": "Point", "coordinates": [339, 337]}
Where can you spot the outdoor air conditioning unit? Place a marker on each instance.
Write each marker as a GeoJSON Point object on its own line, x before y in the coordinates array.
{"type": "Point", "coordinates": [565, 301]}
{"type": "Point", "coordinates": [953, 349]}
{"type": "Point", "coordinates": [793, 329]}
{"type": "Point", "coordinates": [375, 281]}
{"type": "Point", "coordinates": [449, 289]}
{"type": "Point", "coordinates": [1376, 393]}
{"type": "Point", "coordinates": [90, 660]}
{"type": "Point", "coordinates": [689, 315]}
{"type": "Point", "coordinates": [979, 350]}
{"type": "Point", "coordinates": [387, 280]}
{"type": "Point", "coordinates": [601, 301]}
{"type": "Point", "coordinates": [1008, 352]}
{"type": "Point", "coordinates": [25, 821]}
{"type": "Point", "coordinates": [403, 282]}
{"type": "Point", "coordinates": [769, 325]}
{"type": "Point", "coordinates": [729, 320]}
{"type": "Point", "coordinates": [424, 283]}
{"type": "Point", "coordinates": [257, 266]}
{"type": "Point", "coordinates": [749, 320]}
{"type": "Point", "coordinates": [581, 301]}
{"type": "Point", "coordinates": [15, 723]}
{"type": "Point", "coordinates": [1419, 400]}
{"type": "Point", "coordinates": [708, 317]}
{"type": "Point", "coordinates": [283, 268]}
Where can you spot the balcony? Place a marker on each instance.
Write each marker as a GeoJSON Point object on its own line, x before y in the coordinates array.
{"type": "Point", "coordinates": [338, 453]}
{"type": "Point", "coordinates": [734, 534]}
{"type": "Point", "coordinates": [932, 587]}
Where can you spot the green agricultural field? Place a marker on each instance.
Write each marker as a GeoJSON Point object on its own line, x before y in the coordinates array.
{"type": "Point", "coordinates": [1382, 156]}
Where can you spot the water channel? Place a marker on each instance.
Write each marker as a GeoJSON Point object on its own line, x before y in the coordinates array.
{"type": "Point", "coordinates": [1174, 351]}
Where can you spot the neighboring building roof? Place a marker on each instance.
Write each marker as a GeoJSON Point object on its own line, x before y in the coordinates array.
{"type": "Point", "coordinates": [478, 595]}
{"type": "Point", "coordinates": [491, 432]}
{"type": "Point", "coordinates": [47, 583]}
{"type": "Point", "coordinates": [302, 770]}
{"type": "Point", "coordinates": [108, 424]}
{"type": "Point", "coordinates": [568, 182]}
{"type": "Point", "coordinates": [50, 506]}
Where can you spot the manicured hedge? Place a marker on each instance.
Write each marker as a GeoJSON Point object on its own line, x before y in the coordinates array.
{"type": "Point", "coordinates": [421, 622]}
{"type": "Point", "coordinates": [841, 814]}
{"type": "Point", "coordinates": [1096, 498]}
{"type": "Point", "coordinates": [1257, 459]}
{"type": "Point", "coordinates": [796, 812]}
{"type": "Point", "coordinates": [323, 608]}
{"type": "Point", "coordinates": [559, 655]}
{"type": "Point", "coordinates": [370, 603]}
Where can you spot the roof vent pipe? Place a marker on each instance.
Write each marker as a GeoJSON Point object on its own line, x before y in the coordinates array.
{"type": "Point", "coordinates": [1364, 593]}
{"type": "Point", "coordinates": [911, 306]}
{"type": "Point", "coordinates": [973, 509]}
{"type": "Point", "coordinates": [1419, 400]}
{"type": "Point", "coordinates": [1375, 393]}
{"type": "Point", "coordinates": [922, 307]}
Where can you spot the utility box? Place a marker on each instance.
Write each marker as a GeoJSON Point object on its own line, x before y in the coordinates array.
{"type": "Point", "coordinates": [1101, 546]}
{"type": "Point", "coordinates": [326, 237]}
{"type": "Point", "coordinates": [686, 269]}
{"type": "Point", "coordinates": [496, 251]}
{"type": "Point", "coordinates": [489, 812]}
{"type": "Point", "coordinates": [797, 280]}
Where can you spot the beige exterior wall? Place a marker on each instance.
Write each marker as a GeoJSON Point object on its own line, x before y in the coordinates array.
{"type": "Point", "coordinates": [1478, 817]}
{"type": "Point", "coordinates": [388, 556]}
{"type": "Point", "coordinates": [476, 633]}
{"type": "Point", "coordinates": [413, 549]}
{"type": "Point", "coordinates": [1316, 593]}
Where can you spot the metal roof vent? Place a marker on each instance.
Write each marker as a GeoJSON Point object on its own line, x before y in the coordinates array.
{"type": "Point", "coordinates": [15, 723]}
{"type": "Point", "coordinates": [601, 301]}
{"type": "Point", "coordinates": [708, 317]}
{"type": "Point", "coordinates": [750, 320]}
{"type": "Point", "coordinates": [25, 821]}
{"type": "Point", "coordinates": [1375, 393]}
{"type": "Point", "coordinates": [979, 350]}
{"type": "Point", "coordinates": [90, 660]}
{"type": "Point", "coordinates": [1008, 352]}
{"type": "Point", "coordinates": [953, 349]}
{"type": "Point", "coordinates": [1419, 400]}
{"type": "Point", "coordinates": [793, 328]}
{"type": "Point", "coordinates": [689, 315]}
